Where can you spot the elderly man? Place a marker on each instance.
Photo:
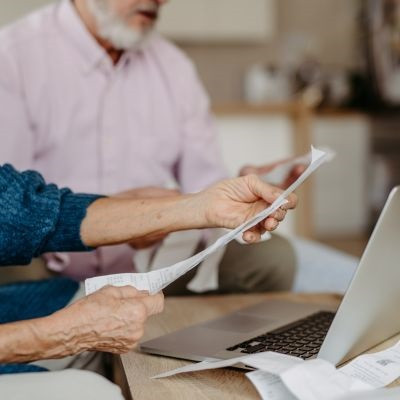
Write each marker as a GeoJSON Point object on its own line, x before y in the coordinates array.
{"type": "Point", "coordinates": [36, 218]}
{"type": "Point", "coordinates": [98, 102]}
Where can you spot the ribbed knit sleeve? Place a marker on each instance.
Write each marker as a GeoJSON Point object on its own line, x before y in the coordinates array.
{"type": "Point", "coordinates": [36, 218]}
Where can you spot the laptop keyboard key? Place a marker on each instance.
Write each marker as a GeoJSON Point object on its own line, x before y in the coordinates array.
{"type": "Point", "coordinates": [253, 349]}
{"type": "Point", "coordinates": [302, 338]}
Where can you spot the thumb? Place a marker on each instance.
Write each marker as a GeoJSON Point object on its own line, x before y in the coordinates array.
{"type": "Point", "coordinates": [247, 170]}
{"type": "Point", "coordinates": [262, 189]}
{"type": "Point", "coordinates": [154, 303]}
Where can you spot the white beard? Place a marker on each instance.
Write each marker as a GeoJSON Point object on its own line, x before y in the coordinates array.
{"type": "Point", "coordinates": [113, 29]}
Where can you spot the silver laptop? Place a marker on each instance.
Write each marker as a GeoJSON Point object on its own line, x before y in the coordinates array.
{"type": "Point", "coordinates": [368, 314]}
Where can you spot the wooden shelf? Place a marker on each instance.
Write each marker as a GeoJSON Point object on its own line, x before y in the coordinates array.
{"type": "Point", "coordinates": [294, 107]}
{"type": "Point", "coordinates": [260, 109]}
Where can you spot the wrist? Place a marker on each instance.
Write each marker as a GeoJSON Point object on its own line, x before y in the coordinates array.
{"type": "Point", "coordinates": [58, 335]}
{"type": "Point", "coordinates": [192, 212]}
{"type": "Point", "coordinates": [118, 220]}
{"type": "Point", "coordinates": [67, 331]}
{"type": "Point", "coordinates": [172, 214]}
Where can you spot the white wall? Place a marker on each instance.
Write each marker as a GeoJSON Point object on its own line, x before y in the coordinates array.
{"type": "Point", "coordinates": [340, 203]}
{"type": "Point", "coordinates": [341, 195]}
{"type": "Point", "coordinates": [328, 28]}
{"type": "Point", "coordinates": [221, 20]}
{"type": "Point", "coordinates": [256, 140]}
{"type": "Point", "coordinates": [11, 10]}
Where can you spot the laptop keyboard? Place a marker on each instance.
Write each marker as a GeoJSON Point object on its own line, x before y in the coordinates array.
{"type": "Point", "coordinates": [302, 338]}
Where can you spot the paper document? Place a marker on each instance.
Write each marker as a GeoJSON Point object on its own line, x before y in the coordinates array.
{"type": "Point", "coordinates": [269, 386]}
{"type": "Point", "coordinates": [267, 361]}
{"type": "Point", "coordinates": [377, 369]}
{"type": "Point", "coordinates": [175, 247]}
{"type": "Point", "coordinates": [277, 175]}
{"type": "Point", "coordinates": [155, 281]}
{"type": "Point", "coordinates": [283, 377]}
{"type": "Point", "coordinates": [319, 380]}
{"type": "Point", "coordinates": [201, 366]}
{"type": "Point", "coordinates": [207, 274]}
{"type": "Point", "coordinates": [274, 363]}
{"type": "Point", "coordinates": [381, 394]}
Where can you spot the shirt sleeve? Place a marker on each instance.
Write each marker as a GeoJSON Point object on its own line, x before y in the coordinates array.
{"type": "Point", "coordinates": [200, 163]}
{"type": "Point", "coordinates": [37, 218]}
{"type": "Point", "coordinates": [16, 130]}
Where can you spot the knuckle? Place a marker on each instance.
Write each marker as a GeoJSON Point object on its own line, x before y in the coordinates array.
{"type": "Point", "coordinates": [140, 312]}
{"type": "Point", "coordinates": [271, 224]}
{"type": "Point", "coordinates": [252, 177]}
{"type": "Point", "coordinates": [129, 291]}
{"type": "Point", "coordinates": [111, 291]}
{"type": "Point", "coordinates": [104, 289]}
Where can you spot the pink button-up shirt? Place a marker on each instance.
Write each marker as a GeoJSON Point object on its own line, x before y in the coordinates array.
{"type": "Point", "coordinates": [68, 112]}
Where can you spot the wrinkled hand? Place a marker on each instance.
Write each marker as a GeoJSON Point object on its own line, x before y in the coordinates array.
{"type": "Point", "coordinates": [149, 192]}
{"type": "Point", "coordinates": [112, 319]}
{"type": "Point", "coordinates": [232, 202]}
{"type": "Point", "coordinates": [293, 175]}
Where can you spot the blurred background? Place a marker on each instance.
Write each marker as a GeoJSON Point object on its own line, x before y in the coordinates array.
{"type": "Point", "coordinates": [285, 74]}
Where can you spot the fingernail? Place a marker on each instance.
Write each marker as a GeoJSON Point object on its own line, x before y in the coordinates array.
{"type": "Point", "coordinates": [249, 237]}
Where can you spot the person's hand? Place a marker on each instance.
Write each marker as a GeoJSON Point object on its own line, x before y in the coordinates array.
{"type": "Point", "coordinates": [232, 202]}
{"type": "Point", "coordinates": [110, 320]}
{"type": "Point", "coordinates": [292, 176]}
{"type": "Point", "coordinates": [148, 192]}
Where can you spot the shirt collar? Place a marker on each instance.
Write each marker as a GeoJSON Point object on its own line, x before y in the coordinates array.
{"type": "Point", "coordinates": [74, 28]}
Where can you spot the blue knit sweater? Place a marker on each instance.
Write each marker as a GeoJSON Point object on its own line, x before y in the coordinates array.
{"type": "Point", "coordinates": [36, 218]}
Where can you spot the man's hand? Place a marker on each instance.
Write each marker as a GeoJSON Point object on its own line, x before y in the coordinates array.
{"type": "Point", "coordinates": [232, 202]}
{"type": "Point", "coordinates": [149, 192]}
{"type": "Point", "coordinates": [227, 204]}
{"type": "Point", "coordinates": [110, 320]}
{"type": "Point", "coordinates": [293, 175]}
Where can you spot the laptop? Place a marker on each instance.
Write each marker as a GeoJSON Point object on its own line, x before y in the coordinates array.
{"type": "Point", "coordinates": [367, 315]}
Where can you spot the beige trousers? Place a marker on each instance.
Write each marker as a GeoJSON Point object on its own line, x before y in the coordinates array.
{"type": "Point", "coordinates": [261, 267]}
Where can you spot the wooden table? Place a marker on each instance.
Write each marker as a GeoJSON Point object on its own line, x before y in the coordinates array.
{"type": "Point", "coordinates": [212, 384]}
